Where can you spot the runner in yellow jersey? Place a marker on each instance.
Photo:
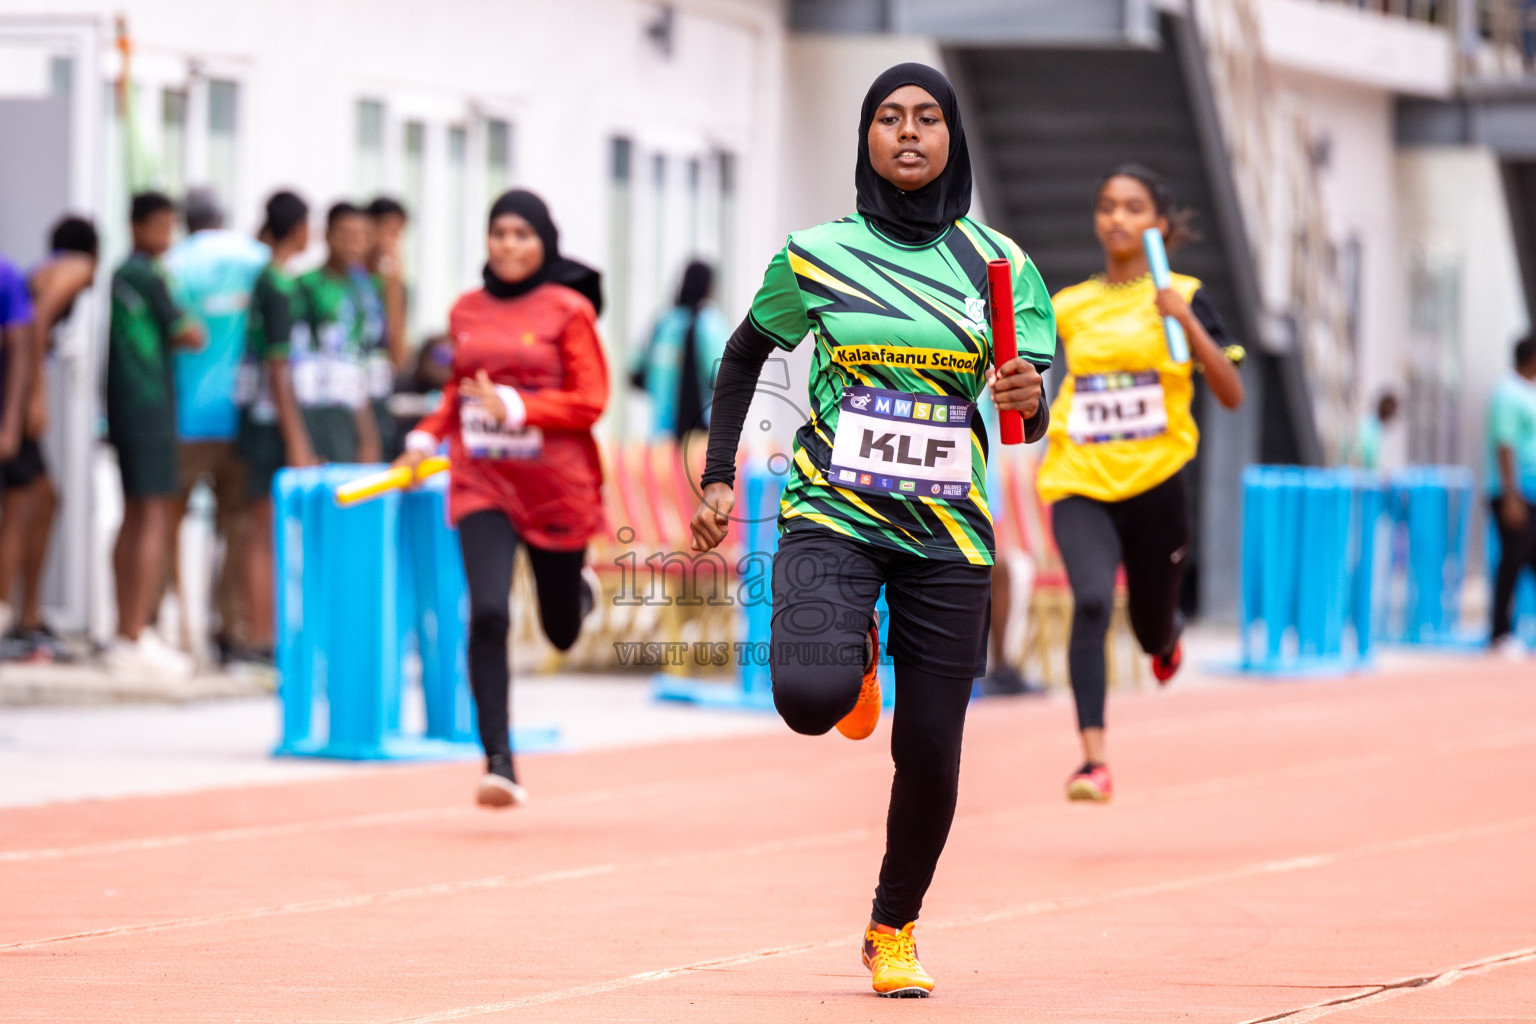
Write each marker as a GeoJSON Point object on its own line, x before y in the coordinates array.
{"type": "Point", "coordinates": [1121, 433]}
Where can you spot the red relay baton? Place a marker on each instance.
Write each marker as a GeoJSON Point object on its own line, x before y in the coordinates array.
{"type": "Point", "coordinates": [1005, 340]}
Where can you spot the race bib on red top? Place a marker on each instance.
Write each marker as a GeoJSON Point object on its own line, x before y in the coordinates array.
{"type": "Point", "coordinates": [892, 442]}
{"type": "Point", "coordinates": [488, 438]}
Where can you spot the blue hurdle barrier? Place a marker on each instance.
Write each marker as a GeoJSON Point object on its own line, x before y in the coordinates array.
{"type": "Point", "coordinates": [357, 590]}
{"type": "Point", "coordinates": [1431, 508]}
{"type": "Point", "coordinates": [753, 688]}
{"type": "Point", "coordinates": [1308, 552]}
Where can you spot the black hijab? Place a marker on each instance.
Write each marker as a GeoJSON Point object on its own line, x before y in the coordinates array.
{"type": "Point", "coordinates": [577, 276]}
{"type": "Point", "coordinates": [698, 280]}
{"type": "Point", "coordinates": [924, 214]}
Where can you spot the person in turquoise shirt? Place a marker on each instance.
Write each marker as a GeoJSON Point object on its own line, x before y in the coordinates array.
{"type": "Point", "coordinates": [212, 273]}
{"type": "Point", "coordinates": [677, 366]}
{"type": "Point", "coordinates": [1512, 486]}
{"type": "Point", "coordinates": [1364, 449]}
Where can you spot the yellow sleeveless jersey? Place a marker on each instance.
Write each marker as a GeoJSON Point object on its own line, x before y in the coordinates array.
{"type": "Point", "coordinates": [1121, 423]}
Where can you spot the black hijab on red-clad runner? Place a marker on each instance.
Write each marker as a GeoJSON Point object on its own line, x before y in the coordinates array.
{"type": "Point", "coordinates": [923, 214]}
{"type": "Point", "coordinates": [574, 275]}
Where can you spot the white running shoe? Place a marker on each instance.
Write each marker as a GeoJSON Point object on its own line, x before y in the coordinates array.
{"type": "Point", "coordinates": [495, 791]}
{"type": "Point", "coordinates": [1511, 648]}
{"type": "Point", "coordinates": [146, 659]}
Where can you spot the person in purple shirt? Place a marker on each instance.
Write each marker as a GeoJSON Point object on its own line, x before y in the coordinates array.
{"type": "Point", "coordinates": [15, 355]}
{"type": "Point", "coordinates": [28, 499]}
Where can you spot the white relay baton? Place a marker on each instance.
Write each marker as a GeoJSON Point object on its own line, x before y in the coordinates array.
{"type": "Point", "coordinates": [1157, 263]}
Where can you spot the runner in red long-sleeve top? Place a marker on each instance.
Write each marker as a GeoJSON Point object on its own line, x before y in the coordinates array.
{"type": "Point", "coordinates": [529, 380]}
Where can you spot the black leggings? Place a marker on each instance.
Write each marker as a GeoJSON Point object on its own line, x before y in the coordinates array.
{"type": "Point", "coordinates": [824, 590]}
{"type": "Point", "coordinates": [1149, 533]}
{"type": "Point", "coordinates": [1517, 550]}
{"type": "Point", "coordinates": [489, 543]}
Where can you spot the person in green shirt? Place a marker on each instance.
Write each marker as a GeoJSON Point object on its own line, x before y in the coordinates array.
{"type": "Point", "coordinates": [1512, 487]}
{"type": "Point", "coordinates": [328, 362]}
{"type": "Point", "coordinates": [146, 328]}
{"type": "Point", "coordinates": [886, 485]}
{"type": "Point", "coordinates": [271, 433]}
{"type": "Point", "coordinates": [382, 284]}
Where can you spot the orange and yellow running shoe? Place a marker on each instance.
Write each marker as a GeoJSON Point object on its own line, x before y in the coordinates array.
{"type": "Point", "coordinates": [892, 961]}
{"type": "Point", "coordinates": [861, 721]}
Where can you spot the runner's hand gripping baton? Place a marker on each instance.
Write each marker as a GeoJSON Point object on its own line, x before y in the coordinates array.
{"type": "Point", "coordinates": [1005, 341]}
{"type": "Point", "coordinates": [396, 479]}
{"type": "Point", "coordinates": [1157, 263]}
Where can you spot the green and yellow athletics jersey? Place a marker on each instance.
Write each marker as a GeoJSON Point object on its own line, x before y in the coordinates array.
{"type": "Point", "coordinates": [894, 453]}
{"type": "Point", "coordinates": [141, 378]}
{"type": "Point", "coordinates": [329, 363]}
{"type": "Point", "coordinates": [276, 315]}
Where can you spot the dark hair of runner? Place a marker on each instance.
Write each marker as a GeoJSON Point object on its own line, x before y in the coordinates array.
{"type": "Point", "coordinates": [341, 210]}
{"type": "Point", "coordinates": [146, 204]}
{"type": "Point", "coordinates": [1525, 351]}
{"type": "Point", "coordinates": [285, 212]}
{"type": "Point", "coordinates": [698, 281]}
{"type": "Point", "coordinates": [1179, 217]}
{"type": "Point", "coordinates": [387, 206]}
{"type": "Point", "coordinates": [74, 234]}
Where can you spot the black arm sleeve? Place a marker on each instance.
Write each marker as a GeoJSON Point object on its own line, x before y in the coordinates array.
{"type": "Point", "coordinates": [1206, 313]}
{"type": "Point", "coordinates": [1036, 426]}
{"type": "Point", "coordinates": [745, 353]}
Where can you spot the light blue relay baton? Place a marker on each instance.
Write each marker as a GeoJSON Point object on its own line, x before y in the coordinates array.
{"type": "Point", "coordinates": [1157, 263]}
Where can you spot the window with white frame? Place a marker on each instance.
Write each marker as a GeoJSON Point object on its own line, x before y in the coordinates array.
{"type": "Point", "coordinates": [173, 141]}
{"type": "Point", "coordinates": [369, 166]}
{"type": "Point", "coordinates": [458, 210]}
{"type": "Point", "coordinates": [498, 158]}
{"type": "Point", "coordinates": [223, 134]}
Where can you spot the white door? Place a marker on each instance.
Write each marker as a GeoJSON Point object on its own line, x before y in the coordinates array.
{"type": "Point", "coordinates": [50, 163]}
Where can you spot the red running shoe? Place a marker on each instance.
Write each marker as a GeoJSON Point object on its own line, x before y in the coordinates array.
{"type": "Point", "coordinates": [1166, 666]}
{"type": "Point", "coordinates": [1091, 782]}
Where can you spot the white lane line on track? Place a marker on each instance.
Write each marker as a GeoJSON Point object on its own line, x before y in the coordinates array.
{"type": "Point", "coordinates": [1376, 759]}
{"type": "Point", "coordinates": [1287, 865]}
{"type": "Point", "coordinates": [1371, 994]}
{"type": "Point", "coordinates": [294, 828]}
{"type": "Point", "coordinates": [668, 861]}
{"type": "Point", "coordinates": [226, 835]}
{"type": "Point", "coordinates": [317, 906]}
{"type": "Point", "coordinates": [450, 888]}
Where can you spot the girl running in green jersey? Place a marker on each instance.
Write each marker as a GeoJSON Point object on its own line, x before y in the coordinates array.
{"type": "Point", "coordinates": [888, 481]}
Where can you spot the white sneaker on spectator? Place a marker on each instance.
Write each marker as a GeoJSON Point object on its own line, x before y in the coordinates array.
{"type": "Point", "coordinates": [1511, 648]}
{"type": "Point", "coordinates": [147, 658]}
{"type": "Point", "coordinates": [152, 640]}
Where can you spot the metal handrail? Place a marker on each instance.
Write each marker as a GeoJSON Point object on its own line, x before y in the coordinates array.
{"type": "Point", "coordinates": [1495, 39]}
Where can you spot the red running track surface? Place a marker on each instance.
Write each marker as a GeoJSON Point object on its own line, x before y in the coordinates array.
{"type": "Point", "coordinates": [1352, 851]}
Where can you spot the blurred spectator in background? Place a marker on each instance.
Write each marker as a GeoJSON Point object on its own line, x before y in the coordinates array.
{"type": "Point", "coordinates": [272, 431]}
{"type": "Point", "coordinates": [676, 367]}
{"type": "Point", "coordinates": [383, 290]}
{"type": "Point", "coordinates": [15, 356]}
{"type": "Point", "coordinates": [212, 272]}
{"type": "Point", "coordinates": [1512, 486]}
{"type": "Point", "coordinates": [16, 351]}
{"type": "Point", "coordinates": [1364, 448]}
{"type": "Point", "coordinates": [328, 368]}
{"type": "Point", "coordinates": [147, 326]}
{"type": "Point", "coordinates": [29, 502]}
{"type": "Point", "coordinates": [418, 390]}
